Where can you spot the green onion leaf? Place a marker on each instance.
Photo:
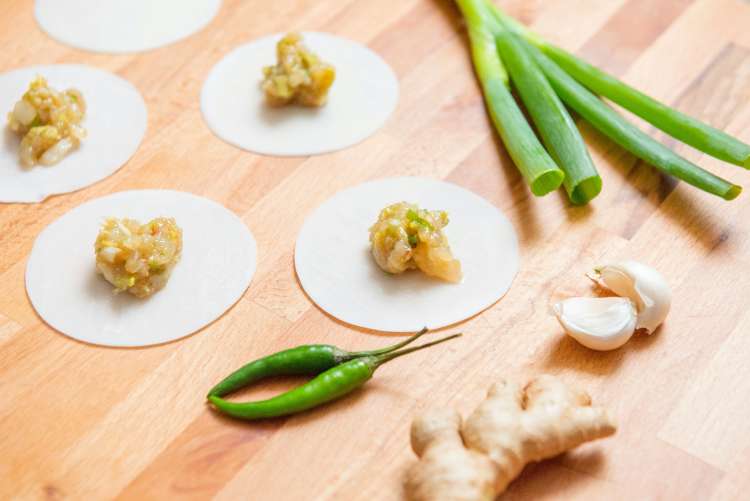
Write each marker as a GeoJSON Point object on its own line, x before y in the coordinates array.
{"type": "Point", "coordinates": [678, 125]}
{"type": "Point", "coordinates": [675, 123]}
{"type": "Point", "coordinates": [625, 134]}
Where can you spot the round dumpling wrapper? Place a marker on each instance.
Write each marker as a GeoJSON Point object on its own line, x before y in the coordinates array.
{"type": "Point", "coordinates": [361, 99]}
{"type": "Point", "coordinates": [217, 265]}
{"type": "Point", "coordinates": [122, 26]}
{"type": "Point", "coordinates": [337, 271]}
{"type": "Point", "coordinates": [115, 123]}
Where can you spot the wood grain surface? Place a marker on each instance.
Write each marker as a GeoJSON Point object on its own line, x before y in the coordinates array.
{"type": "Point", "coordinates": [83, 422]}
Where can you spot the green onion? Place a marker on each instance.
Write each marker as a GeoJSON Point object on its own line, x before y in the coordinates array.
{"type": "Point", "coordinates": [510, 23]}
{"type": "Point", "coordinates": [558, 131]}
{"type": "Point", "coordinates": [532, 160]}
{"type": "Point", "coordinates": [482, 40]}
{"type": "Point", "coordinates": [543, 84]}
{"type": "Point", "coordinates": [678, 125]}
{"type": "Point", "coordinates": [687, 129]}
{"type": "Point", "coordinates": [629, 137]}
{"type": "Point", "coordinates": [412, 216]}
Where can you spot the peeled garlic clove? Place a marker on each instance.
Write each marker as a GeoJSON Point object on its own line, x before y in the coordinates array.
{"type": "Point", "coordinates": [599, 323]}
{"type": "Point", "coordinates": [643, 285]}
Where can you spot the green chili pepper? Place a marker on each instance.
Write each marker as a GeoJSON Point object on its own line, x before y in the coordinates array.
{"type": "Point", "coordinates": [330, 385]}
{"type": "Point", "coordinates": [303, 360]}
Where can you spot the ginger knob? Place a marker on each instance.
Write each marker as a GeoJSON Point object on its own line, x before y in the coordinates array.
{"type": "Point", "coordinates": [447, 470]}
{"type": "Point", "coordinates": [514, 426]}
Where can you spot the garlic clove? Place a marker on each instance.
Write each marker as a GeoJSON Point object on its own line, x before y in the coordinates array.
{"type": "Point", "coordinates": [599, 323]}
{"type": "Point", "coordinates": [643, 285]}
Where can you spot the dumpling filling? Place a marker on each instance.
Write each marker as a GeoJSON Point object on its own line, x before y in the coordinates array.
{"type": "Point", "coordinates": [299, 75]}
{"type": "Point", "coordinates": [49, 121]}
{"type": "Point", "coordinates": [138, 258]}
{"type": "Point", "coordinates": [406, 237]}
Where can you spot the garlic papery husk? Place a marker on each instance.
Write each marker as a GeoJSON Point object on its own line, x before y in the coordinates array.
{"type": "Point", "coordinates": [599, 323]}
{"type": "Point", "coordinates": [643, 285]}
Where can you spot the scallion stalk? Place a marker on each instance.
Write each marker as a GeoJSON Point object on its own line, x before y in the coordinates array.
{"type": "Point", "coordinates": [625, 134]}
{"type": "Point", "coordinates": [537, 167]}
{"type": "Point", "coordinates": [687, 129]}
{"type": "Point", "coordinates": [559, 133]}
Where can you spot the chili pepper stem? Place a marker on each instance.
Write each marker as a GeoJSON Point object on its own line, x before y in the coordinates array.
{"type": "Point", "coordinates": [381, 359]}
{"type": "Point", "coordinates": [388, 349]}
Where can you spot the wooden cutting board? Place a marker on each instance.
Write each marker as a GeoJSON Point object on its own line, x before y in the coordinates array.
{"type": "Point", "coordinates": [83, 422]}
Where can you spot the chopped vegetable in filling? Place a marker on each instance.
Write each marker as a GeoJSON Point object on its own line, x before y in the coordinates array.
{"type": "Point", "coordinates": [298, 77]}
{"type": "Point", "coordinates": [138, 258]}
{"type": "Point", "coordinates": [49, 122]}
{"type": "Point", "coordinates": [407, 237]}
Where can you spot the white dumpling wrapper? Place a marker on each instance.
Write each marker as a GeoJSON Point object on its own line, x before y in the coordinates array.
{"type": "Point", "coordinates": [361, 99]}
{"type": "Point", "coordinates": [122, 26]}
{"type": "Point", "coordinates": [218, 262]}
{"type": "Point", "coordinates": [115, 123]}
{"type": "Point", "coordinates": [337, 271]}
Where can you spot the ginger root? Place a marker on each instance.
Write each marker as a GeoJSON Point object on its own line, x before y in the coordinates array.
{"type": "Point", "coordinates": [514, 426]}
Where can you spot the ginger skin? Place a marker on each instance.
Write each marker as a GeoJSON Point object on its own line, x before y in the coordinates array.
{"type": "Point", "coordinates": [447, 469]}
{"type": "Point", "coordinates": [514, 426]}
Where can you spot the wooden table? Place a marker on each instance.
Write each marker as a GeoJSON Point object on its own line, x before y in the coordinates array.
{"type": "Point", "coordinates": [82, 422]}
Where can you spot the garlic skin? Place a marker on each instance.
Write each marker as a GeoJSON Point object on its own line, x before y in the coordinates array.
{"type": "Point", "coordinates": [643, 285]}
{"type": "Point", "coordinates": [598, 323]}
